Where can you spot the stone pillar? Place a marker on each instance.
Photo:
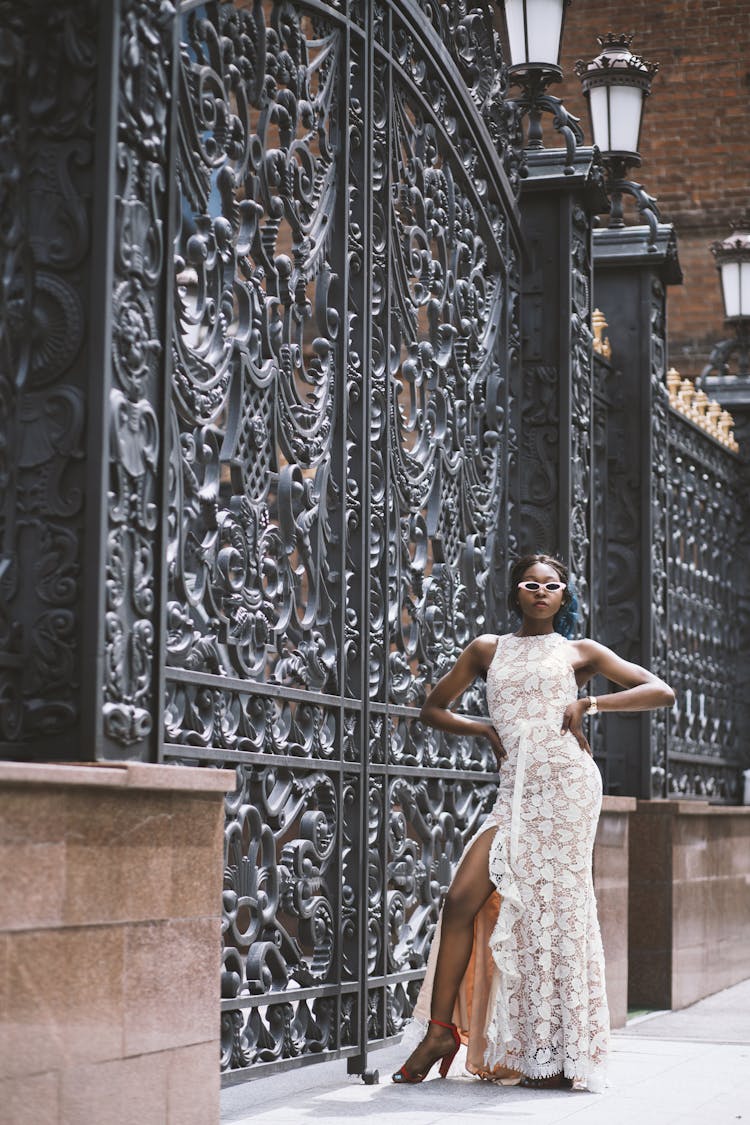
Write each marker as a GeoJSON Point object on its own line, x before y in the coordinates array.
{"type": "Point", "coordinates": [110, 944]}
{"type": "Point", "coordinates": [630, 282]}
{"type": "Point", "coordinates": [611, 887]}
{"type": "Point", "coordinates": [556, 397]}
{"type": "Point", "coordinates": [689, 901]}
{"type": "Point", "coordinates": [86, 157]}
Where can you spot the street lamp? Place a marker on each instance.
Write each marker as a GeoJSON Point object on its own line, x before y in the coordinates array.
{"type": "Point", "coordinates": [733, 263]}
{"type": "Point", "coordinates": [616, 84]}
{"type": "Point", "coordinates": [535, 29]}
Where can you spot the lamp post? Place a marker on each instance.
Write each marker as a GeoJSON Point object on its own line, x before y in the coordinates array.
{"type": "Point", "coordinates": [733, 263]}
{"type": "Point", "coordinates": [535, 29]}
{"type": "Point", "coordinates": [616, 84]}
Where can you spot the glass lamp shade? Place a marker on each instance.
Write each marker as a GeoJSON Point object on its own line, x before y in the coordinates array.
{"type": "Point", "coordinates": [535, 33]}
{"type": "Point", "coordinates": [733, 262]}
{"type": "Point", "coordinates": [616, 118]}
{"type": "Point", "coordinates": [616, 84]}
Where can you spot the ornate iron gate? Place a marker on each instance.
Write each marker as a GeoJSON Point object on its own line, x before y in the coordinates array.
{"type": "Point", "coordinates": [345, 340]}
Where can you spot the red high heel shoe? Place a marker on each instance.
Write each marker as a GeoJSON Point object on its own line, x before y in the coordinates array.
{"type": "Point", "coordinates": [403, 1075]}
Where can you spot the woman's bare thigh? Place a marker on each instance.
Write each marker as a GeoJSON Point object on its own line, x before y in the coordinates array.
{"type": "Point", "coordinates": [472, 886]}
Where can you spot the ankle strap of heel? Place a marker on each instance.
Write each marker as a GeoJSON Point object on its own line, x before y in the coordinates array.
{"type": "Point", "coordinates": [450, 1026]}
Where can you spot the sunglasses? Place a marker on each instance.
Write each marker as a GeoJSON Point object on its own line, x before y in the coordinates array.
{"type": "Point", "coordinates": [553, 587]}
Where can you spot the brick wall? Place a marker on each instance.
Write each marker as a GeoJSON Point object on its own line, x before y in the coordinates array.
{"type": "Point", "coordinates": [695, 141]}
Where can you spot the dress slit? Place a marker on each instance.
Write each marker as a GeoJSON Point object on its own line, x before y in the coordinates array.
{"type": "Point", "coordinates": [470, 1013]}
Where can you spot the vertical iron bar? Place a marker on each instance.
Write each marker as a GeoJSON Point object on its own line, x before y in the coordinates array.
{"type": "Point", "coordinates": [390, 514]}
{"type": "Point", "coordinates": [593, 623]}
{"type": "Point", "coordinates": [359, 1063]}
{"type": "Point", "coordinates": [508, 528]}
{"type": "Point", "coordinates": [340, 465]}
{"type": "Point", "coordinates": [666, 671]}
{"type": "Point", "coordinates": [647, 517]}
{"type": "Point", "coordinates": [565, 376]}
{"type": "Point", "coordinates": [99, 382]}
{"type": "Point", "coordinates": [167, 283]}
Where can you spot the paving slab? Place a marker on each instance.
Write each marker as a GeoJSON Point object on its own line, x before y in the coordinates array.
{"type": "Point", "coordinates": [678, 1068]}
{"type": "Point", "coordinates": [721, 1018]}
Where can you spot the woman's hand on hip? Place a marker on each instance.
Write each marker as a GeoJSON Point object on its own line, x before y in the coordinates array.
{"type": "Point", "coordinates": [573, 722]}
{"type": "Point", "coordinates": [497, 747]}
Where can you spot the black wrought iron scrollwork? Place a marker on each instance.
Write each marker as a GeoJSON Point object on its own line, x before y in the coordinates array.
{"type": "Point", "coordinates": [659, 529]}
{"type": "Point", "coordinates": [604, 379]}
{"type": "Point", "coordinates": [137, 347]}
{"type": "Point", "coordinates": [320, 459]}
{"type": "Point", "coordinates": [704, 611]}
{"type": "Point", "coordinates": [509, 545]}
{"type": "Point", "coordinates": [46, 172]}
{"type": "Point", "coordinates": [443, 443]}
{"type": "Point", "coordinates": [255, 374]}
{"type": "Point", "coordinates": [534, 100]}
{"type": "Point", "coordinates": [718, 377]}
{"type": "Point", "coordinates": [468, 33]}
{"type": "Point", "coordinates": [581, 419]}
{"type": "Point", "coordinates": [344, 280]}
{"type": "Point", "coordinates": [623, 548]}
{"type": "Point", "coordinates": [540, 446]}
{"type": "Point", "coordinates": [443, 292]}
{"type": "Point", "coordinates": [617, 186]}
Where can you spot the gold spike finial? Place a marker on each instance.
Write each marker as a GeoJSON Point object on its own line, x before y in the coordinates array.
{"type": "Point", "coordinates": [602, 345]}
{"type": "Point", "coordinates": [712, 418]}
{"type": "Point", "coordinates": [673, 384]}
{"type": "Point", "coordinates": [685, 397]}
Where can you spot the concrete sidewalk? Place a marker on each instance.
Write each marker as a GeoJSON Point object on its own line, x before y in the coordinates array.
{"type": "Point", "coordinates": [690, 1067]}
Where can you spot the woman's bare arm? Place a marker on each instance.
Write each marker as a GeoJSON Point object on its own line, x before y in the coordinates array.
{"type": "Point", "coordinates": [643, 690]}
{"type": "Point", "coordinates": [436, 709]}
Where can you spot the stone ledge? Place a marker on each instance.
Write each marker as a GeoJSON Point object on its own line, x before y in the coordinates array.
{"type": "Point", "coordinates": [120, 775]}
{"type": "Point", "coordinates": [619, 804]}
{"type": "Point", "coordinates": [689, 901]}
{"type": "Point", "coordinates": [691, 808]}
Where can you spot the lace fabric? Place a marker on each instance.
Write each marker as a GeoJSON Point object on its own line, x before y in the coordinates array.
{"type": "Point", "coordinates": [546, 1011]}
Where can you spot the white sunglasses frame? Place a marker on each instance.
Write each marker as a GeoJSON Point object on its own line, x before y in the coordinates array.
{"type": "Point", "coordinates": [542, 586]}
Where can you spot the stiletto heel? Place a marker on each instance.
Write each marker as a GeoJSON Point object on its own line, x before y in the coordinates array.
{"type": "Point", "coordinates": [445, 1064]}
{"type": "Point", "coordinates": [403, 1075]}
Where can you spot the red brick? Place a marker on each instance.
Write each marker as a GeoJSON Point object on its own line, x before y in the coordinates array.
{"type": "Point", "coordinates": [696, 159]}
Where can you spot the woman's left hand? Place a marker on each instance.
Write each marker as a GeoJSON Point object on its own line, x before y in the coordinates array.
{"type": "Point", "coordinates": [573, 722]}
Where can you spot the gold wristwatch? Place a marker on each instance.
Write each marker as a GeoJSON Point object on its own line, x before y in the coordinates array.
{"type": "Point", "coordinates": [592, 707]}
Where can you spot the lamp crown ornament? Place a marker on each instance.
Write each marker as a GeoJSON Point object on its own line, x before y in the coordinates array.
{"type": "Point", "coordinates": [737, 240]}
{"type": "Point", "coordinates": [616, 62]}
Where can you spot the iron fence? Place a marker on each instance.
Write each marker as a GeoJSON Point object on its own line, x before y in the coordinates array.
{"type": "Point", "coordinates": [705, 615]}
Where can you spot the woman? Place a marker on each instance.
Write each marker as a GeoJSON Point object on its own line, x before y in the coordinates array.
{"type": "Point", "coordinates": [541, 1010]}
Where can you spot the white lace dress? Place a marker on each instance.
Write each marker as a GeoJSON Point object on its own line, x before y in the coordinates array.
{"type": "Point", "coordinates": [539, 1006]}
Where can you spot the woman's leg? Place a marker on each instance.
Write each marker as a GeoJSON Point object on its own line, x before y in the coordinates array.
{"type": "Point", "coordinates": [466, 896]}
{"type": "Point", "coordinates": [470, 889]}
